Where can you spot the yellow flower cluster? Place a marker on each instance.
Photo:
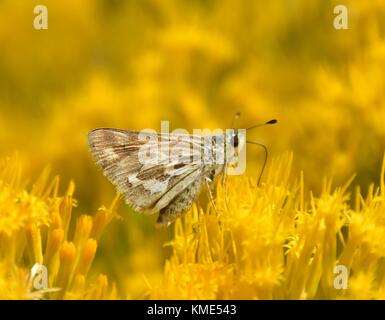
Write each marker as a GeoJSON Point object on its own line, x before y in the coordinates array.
{"type": "Point", "coordinates": [273, 242]}
{"type": "Point", "coordinates": [257, 242]}
{"type": "Point", "coordinates": [35, 228]}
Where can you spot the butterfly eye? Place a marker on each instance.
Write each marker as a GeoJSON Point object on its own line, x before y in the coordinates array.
{"type": "Point", "coordinates": [235, 141]}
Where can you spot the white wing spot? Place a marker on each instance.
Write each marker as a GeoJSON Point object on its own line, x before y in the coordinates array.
{"type": "Point", "coordinates": [111, 154]}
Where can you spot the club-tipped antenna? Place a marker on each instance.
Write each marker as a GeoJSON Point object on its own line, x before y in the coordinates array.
{"type": "Point", "coordinates": [272, 121]}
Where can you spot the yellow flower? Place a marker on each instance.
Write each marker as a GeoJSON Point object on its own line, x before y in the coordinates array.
{"type": "Point", "coordinates": [35, 229]}
{"type": "Point", "coordinates": [273, 242]}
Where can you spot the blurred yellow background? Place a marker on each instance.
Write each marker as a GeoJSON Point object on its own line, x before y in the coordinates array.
{"type": "Point", "coordinates": [131, 64]}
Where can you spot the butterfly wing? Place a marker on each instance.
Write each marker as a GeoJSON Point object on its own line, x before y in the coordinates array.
{"type": "Point", "coordinates": [148, 185]}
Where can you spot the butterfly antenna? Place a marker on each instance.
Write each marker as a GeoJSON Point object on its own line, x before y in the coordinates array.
{"type": "Point", "coordinates": [272, 121]}
{"type": "Point", "coordinates": [264, 161]}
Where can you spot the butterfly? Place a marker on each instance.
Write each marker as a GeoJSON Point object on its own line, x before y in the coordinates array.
{"type": "Point", "coordinates": [164, 173]}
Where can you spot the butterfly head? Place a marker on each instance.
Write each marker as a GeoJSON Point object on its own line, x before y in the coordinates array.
{"type": "Point", "coordinates": [236, 140]}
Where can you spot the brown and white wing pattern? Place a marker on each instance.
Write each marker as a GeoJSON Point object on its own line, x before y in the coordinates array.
{"type": "Point", "coordinates": [157, 185]}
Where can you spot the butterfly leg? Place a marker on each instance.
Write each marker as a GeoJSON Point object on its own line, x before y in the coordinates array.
{"type": "Point", "coordinates": [224, 176]}
{"type": "Point", "coordinates": [208, 181]}
{"type": "Point", "coordinates": [224, 186]}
